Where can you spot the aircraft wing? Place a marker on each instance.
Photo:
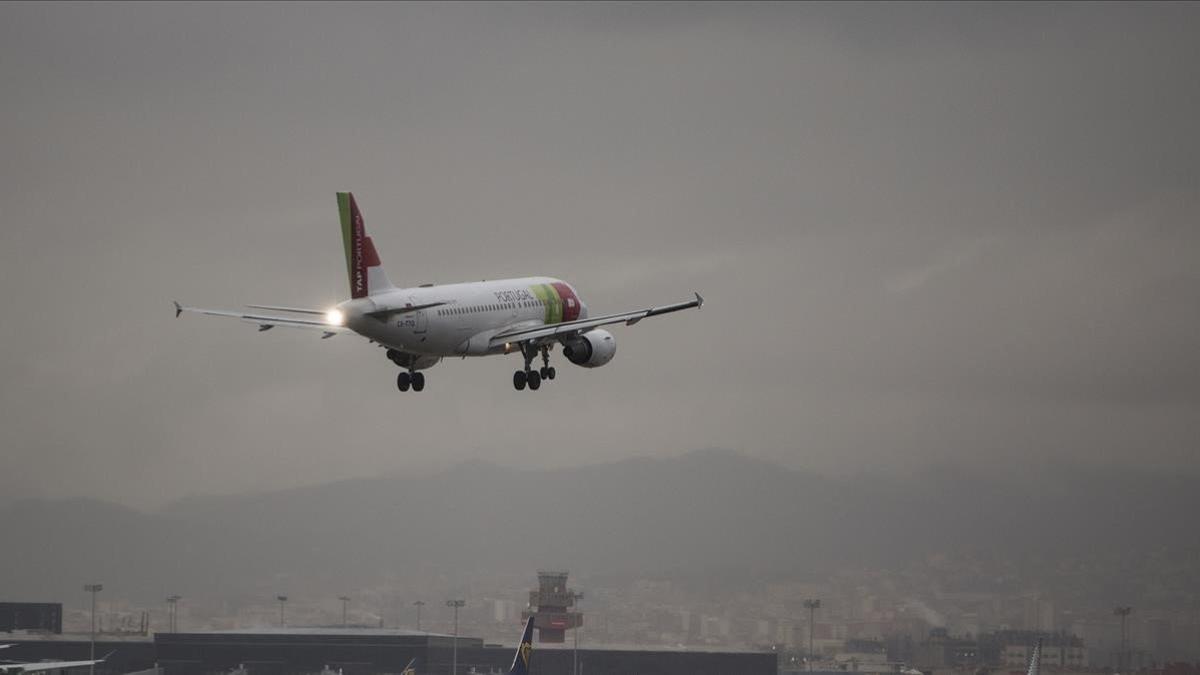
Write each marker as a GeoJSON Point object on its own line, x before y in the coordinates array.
{"type": "Point", "coordinates": [267, 322]}
{"type": "Point", "coordinates": [45, 665]}
{"type": "Point", "coordinates": [584, 325]}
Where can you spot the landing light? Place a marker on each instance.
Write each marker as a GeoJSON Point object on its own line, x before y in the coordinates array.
{"type": "Point", "coordinates": [334, 317]}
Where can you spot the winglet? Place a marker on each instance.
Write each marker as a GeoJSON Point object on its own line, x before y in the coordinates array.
{"type": "Point", "coordinates": [699, 301]}
{"type": "Point", "coordinates": [178, 309]}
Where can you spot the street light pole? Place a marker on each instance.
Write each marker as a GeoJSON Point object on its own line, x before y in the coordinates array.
{"type": "Point", "coordinates": [1124, 613]}
{"type": "Point", "coordinates": [282, 599]}
{"type": "Point", "coordinates": [173, 612]}
{"type": "Point", "coordinates": [419, 604]}
{"type": "Point", "coordinates": [455, 604]}
{"type": "Point", "coordinates": [575, 657]}
{"type": "Point", "coordinates": [812, 606]}
{"type": "Point", "coordinates": [93, 589]}
{"type": "Point", "coordinates": [345, 601]}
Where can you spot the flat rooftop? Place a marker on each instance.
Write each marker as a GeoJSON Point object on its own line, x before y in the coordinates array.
{"type": "Point", "coordinates": [319, 630]}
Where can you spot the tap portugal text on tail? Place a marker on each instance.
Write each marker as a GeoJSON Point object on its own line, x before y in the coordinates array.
{"type": "Point", "coordinates": [419, 326]}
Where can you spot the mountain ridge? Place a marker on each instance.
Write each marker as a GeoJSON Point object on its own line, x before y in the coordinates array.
{"type": "Point", "coordinates": [693, 513]}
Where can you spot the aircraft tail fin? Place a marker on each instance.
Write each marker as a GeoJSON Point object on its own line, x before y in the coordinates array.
{"type": "Point", "coordinates": [520, 664]}
{"type": "Point", "coordinates": [362, 260]}
{"type": "Point", "coordinates": [1035, 659]}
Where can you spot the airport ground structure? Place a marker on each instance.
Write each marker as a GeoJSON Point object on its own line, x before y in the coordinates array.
{"type": "Point", "coordinates": [294, 651]}
{"type": "Point", "coordinates": [42, 617]}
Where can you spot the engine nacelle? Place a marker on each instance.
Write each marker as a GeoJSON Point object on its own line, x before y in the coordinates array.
{"type": "Point", "coordinates": [592, 349]}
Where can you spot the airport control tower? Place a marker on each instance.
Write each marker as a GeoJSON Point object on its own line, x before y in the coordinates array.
{"type": "Point", "coordinates": [548, 605]}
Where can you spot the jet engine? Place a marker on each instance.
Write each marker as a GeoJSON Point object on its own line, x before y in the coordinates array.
{"type": "Point", "coordinates": [590, 350]}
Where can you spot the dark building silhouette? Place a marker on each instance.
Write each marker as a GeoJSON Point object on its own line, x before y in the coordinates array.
{"type": "Point", "coordinates": [45, 617]}
{"type": "Point", "coordinates": [300, 651]}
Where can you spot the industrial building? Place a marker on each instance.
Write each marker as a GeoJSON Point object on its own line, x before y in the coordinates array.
{"type": "Point", "coordinates": [42, 617]}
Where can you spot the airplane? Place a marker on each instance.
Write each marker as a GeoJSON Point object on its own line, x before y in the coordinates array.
{"type": "Point", "coordinates": [41, 666]}
{"type": "Point", "coordinates": [520, 664]}
{"type": "Point", "coordinates": [422, 325]}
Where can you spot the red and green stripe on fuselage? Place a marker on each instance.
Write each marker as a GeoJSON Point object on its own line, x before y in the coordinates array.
{"type": "Point", "coordinates": [560, 301]}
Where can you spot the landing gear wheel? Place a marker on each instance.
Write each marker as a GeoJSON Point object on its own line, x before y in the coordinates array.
{"type": "Point", "coordinates": [550, 373]}
{"type": "Point", "coordinates": [535, 381]}
{"type": "Point", "coordinates": [519, 380]}
{"type": "Point", "coordinates": [418, 381]}
{"type": "Point", "coordinates": [403, 381]}
{"type": "Point", "coordinates": [544, 372]}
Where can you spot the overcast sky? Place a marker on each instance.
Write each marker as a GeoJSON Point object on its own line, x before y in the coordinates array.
{"type": "Point", "coordinates": [923, 233]}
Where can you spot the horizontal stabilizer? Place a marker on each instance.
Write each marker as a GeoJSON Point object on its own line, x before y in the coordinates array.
{"type": "Point", "coordinates": [267, 321]}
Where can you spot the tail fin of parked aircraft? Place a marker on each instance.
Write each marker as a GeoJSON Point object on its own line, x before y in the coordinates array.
{"type": "Point", "coordinates": [520, 665]}
{"type": "Point", "coordinates": [1035, 659]}
{"type": "Point", "coordinates": [362, 261]}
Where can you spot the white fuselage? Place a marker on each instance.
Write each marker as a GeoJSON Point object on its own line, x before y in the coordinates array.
{"type": "Point", "coordinates": [471, 315]}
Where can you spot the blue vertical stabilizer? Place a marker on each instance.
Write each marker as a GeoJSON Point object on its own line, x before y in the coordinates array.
{"type": "Point", "coordinates": [520, 664]}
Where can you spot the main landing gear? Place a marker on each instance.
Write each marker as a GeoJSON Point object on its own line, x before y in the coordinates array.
{"type": "Point", "coordinates": [408, 378]}
{"type": "Point", "coordinates": [533, 378]}
{"type": "Point", "coordinates": [405, 379]}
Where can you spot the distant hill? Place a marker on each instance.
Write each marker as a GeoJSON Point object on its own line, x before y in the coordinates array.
{"type": "Point", "coordinates": [693, 514]}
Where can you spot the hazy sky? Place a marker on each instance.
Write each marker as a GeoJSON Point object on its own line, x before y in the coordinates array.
{"type": "Point", "coordinates": [922, 231]}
